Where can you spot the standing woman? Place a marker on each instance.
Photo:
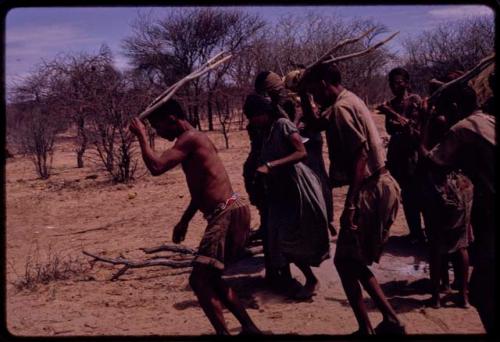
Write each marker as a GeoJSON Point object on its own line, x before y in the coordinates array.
{"type": "Point", "coordinates": [297, 220]}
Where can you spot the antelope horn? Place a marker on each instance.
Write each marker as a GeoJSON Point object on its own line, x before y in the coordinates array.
{"type": "Point", "coordinates": [339, 45]}
{"type": "Point", "coordinates": [466, 77]}
{"type": "Point", "coordinates": [212, 63]}
{"type": "Point", "coordinates": [361, 53]}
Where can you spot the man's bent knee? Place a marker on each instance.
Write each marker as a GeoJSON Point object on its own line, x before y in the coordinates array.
{"type": "Point", "coordinates": [343, 265]}
{"type": "Point", "coordinates": [353, 267]}
{"type": "Point", "coordinates": [202, 275]}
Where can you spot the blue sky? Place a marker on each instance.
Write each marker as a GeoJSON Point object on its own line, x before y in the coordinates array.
{"type": "Point", "coordinates": [33, 34]}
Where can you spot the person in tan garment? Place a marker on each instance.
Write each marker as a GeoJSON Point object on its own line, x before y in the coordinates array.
{"type": "Point", "coordinates": [228, 216]}
{"type": "Point", "coordinates": [371, 204]}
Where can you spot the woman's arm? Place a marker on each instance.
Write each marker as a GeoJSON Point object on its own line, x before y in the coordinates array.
{"type": "Point", "coordinates": [296, 156]}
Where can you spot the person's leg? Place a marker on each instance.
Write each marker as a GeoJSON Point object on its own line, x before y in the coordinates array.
{"type": "Point", "coordinates": [435, 266]}
{"type": "Point", "coordinates": [354, 295]}
{"type": "Point", "coordinates": [411, 209]}
{"type": "Point", "coordinates": [308, 273]}
{"type": "Point", "coordinates": [311, 284]}
{"type": "Point", "coordinates": [233, 303]}
{"type": "Point", "coordinates": [461, 269]}
{"type": "Point", "coordinates": [445, 277]}
{"type": "Point", "coordinates": [371, 285]}
{"type": "Point", "coordinates": [482, 293]}
{"type": "Point", "coordinates": [203, 281]}
{"type": "Point", "coordinates": [237, 229]}
{"type": "Point", "coordinates": [271, 274]}
{"type": "Point", "coordinates": [329, 209]}
{"type": "Point", "coordinates": [328, 196]}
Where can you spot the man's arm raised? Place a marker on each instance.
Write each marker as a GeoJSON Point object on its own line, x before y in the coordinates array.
{"type": "Point", "coordinates": [312, 119]}
{"type": "Point", "coordinates": [158, 164]}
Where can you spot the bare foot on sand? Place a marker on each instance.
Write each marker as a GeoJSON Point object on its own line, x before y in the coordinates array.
{"type": "Point", "coordinates": [307, 291]}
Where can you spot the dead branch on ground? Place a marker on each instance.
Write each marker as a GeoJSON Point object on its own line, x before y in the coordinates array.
{"type": "Point", "coordinates": [169, 248]}
{"type": "Point", "coordinates": [187, 254]}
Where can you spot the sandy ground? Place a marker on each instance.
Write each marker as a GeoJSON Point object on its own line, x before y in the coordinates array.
{"type": "Point", "coordinates": [70, 213]}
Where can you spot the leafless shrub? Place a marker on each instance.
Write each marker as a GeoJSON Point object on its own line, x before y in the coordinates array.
{"type": "Point", "coordinates": [54, 267]}
{"type": "Point", "coordinates": [118, 97]}
{"type": "Point", "coordinates": [171, 47]}
{"type": "Point", "coordinates": [37, 141]}
{"type": "Point", "coordinates": [38, 119]}
{"type": "Point", "coordinates": [225, 115]}
{"type": "Point", "coordinates": [77, 75]}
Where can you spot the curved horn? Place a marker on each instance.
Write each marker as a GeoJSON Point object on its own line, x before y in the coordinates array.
{"type": "Point", "coordinates": [340, 45]}
{"type": "Point", "coordinates": [361, 53]}
{"type": "Point", "coordinates": [483, 64]}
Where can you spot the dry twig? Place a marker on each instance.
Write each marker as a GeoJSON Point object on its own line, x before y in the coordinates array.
{"type": "Point", "coordinates": [186, 262]}
{"type": "Point", "coordinates": [169, 248]}
{"type": "Point", "coordinates": [138, 264]}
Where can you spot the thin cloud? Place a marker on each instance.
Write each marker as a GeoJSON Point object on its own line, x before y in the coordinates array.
{"type": "Point", "coordinates": [121, 62]}
{"type": "Point", "coordinates": [457, 12]}
{"type": "Point", "coordinates": [32, 41]}
{"type": "Point", "coordinates": [26, 46]}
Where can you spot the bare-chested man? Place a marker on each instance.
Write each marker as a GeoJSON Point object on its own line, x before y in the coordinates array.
{"type": "Point", "coordinates": [211, 192]}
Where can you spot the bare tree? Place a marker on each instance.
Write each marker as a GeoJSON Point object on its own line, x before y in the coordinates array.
{"type": "Point", "coordinates": [225, 112]}
{"type": "Point", "coordinates": [296, 41]}
{"type": "Point", "coordinates": [457, 45]}
{"type": "Point", "coordinates": [172, 47]}
{"type": "Point", "coordinates": [76, 74]}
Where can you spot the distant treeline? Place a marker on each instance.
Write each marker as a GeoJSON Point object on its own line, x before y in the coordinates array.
{"type": "Point", "coordinates": [88, 93]}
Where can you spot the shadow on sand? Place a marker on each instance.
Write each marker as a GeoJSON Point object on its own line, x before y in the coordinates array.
{"type": "Point", "coordinates": [400, 304]}
{"type": "Point", "coordinates": [402, 247]}
{"type": "Point", "coordinates": [405, 288]}
{"type": "Point", "coordinates": [247, 265]}
{"type": "Point", "coordinates": [397, 293]}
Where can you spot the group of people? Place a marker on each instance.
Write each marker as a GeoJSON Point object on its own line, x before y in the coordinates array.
{"type": "Point", "coordinates": [440, 164]}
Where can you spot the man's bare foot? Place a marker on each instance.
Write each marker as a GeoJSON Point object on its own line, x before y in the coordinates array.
{"type": "Point", "coordinates": [387, 327]}
{"type": "Point", "coordinates": [462, 301]}
{"type": "Point", "coordinates": [288, 287]}
{"type": "Point", "coordinates": [252, 331]}
{"type": "Point", "coordinates": [446, 289]}
{"type": "Point", "coordinates": [433, 302]}
{"type": "Point", "coordinates": [307, 291]}
{"type": "Point", "coordinates": [362, 333]}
